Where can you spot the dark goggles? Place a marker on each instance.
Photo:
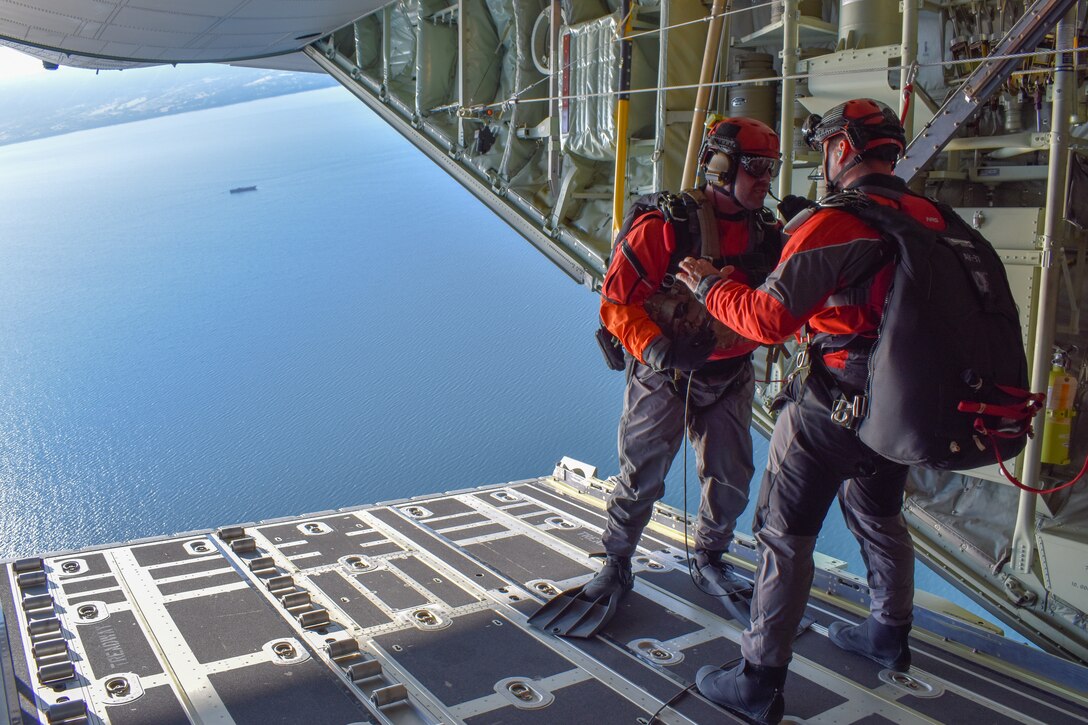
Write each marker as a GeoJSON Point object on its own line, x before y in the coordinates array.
{"type": "Point", "coordinates": [757, 166]}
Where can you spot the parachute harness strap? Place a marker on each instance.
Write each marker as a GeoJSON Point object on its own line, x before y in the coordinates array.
{"type": "Point", "coordinates": [1012, 420]}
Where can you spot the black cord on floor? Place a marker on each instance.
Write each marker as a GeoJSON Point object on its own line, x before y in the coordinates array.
{"type": "Point", "coordinates": [670, 701]}
{"type": "Point", "coordinates": [678, 695]}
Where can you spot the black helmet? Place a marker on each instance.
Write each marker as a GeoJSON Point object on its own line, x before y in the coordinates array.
{"type": "Point", "coordinates": [866, 123]}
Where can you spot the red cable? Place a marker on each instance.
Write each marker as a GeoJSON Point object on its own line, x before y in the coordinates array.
{"type": "Point", "coordinates": [1016, 482]}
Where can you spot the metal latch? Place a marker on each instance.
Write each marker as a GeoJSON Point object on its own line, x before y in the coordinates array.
{"type": "Point", "coordinates": [848, 412]}
{"type": "Point", "coordinates": [802, 365]}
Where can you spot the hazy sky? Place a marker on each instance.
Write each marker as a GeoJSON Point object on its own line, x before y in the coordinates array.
{"type": "Point", "coordinates": [14, 64]}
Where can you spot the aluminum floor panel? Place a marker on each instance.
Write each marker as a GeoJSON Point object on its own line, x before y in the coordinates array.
{"type": "Point", "coordinates": [118, 644]}
{"type": "Point", "coordinates": [289, 694]}
{"type": "Point", "coordinates": [351, 601]}
{"type": "Point", "coordinates": [433, 581]}
{"type": "Point", "coordinates": [496, 646]}
{"type": "Point", "coordinates": [157, 705]}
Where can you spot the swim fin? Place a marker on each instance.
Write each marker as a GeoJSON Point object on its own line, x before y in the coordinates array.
{"type": "Point", "coordinates": [583, 611]}
{"type": "Point", "coordinates": [573, 613]}
{"type": "Point", "coordinates": [734, 593]}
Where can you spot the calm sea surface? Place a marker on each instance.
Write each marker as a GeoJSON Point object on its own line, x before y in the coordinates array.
{"type": "Point", "coordinates": [175, 357]}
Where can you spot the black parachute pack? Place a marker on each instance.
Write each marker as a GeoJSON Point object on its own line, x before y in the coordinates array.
{"type": "Point", "coordinates": [948, 376]}
{"type": "Point", "coordinates": [673, 307]}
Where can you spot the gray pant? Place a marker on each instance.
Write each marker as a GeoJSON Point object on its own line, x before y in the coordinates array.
{"type": "Point", "coordinates": [811, 461]}
{"type": "Point", "coordinates": [650, 434]}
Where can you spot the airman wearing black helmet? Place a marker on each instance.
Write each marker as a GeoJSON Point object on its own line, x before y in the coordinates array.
{"type": "Point", "coordinates": [869, 130]}
{"type": "Point", "coordinates": [833, 277]}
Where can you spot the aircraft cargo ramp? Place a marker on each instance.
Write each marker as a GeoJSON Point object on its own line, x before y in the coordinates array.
{"type": "Point", "coordinates": [414, 611]}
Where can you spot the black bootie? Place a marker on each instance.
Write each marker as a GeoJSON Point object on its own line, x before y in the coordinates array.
{"type": "Point", "coordinates": [884, 644]}
{"type": "Point", "coordinates": [754, 691]}
{"type": "Point", "coordinates": [614, 577]}
{"type": "Point", "coordinates": [720, 575]}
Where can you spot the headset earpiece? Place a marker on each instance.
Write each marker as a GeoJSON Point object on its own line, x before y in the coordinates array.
{"type": "Point", "coordinates": [727, 167]}
{"type": "Point", "coordinates": [722, 173]}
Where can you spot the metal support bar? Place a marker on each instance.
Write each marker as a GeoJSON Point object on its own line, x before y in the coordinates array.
{"type": "Point", "coordinates": [555, 20]}
{"type": "Point", "coordinates": [460, 139]}
{"type": "Point", "coordinates": [983, 81]}
{"type": "Point", "coordinates": [1023, 540]}
{"type": "Point", "coordinates": [791, 30]}
{"type": "Point", "coordinates": [907, 60]}
{"type": "Point", "coordinates": [623, 106]}
{"type": "Point", "coordinates": [702, 98]}
{"type": "Point", "coordinates": [660, 111]}
{"type": "Point", "coordinates": [387, 42]}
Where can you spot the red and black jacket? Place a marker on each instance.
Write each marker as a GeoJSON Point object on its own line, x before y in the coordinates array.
{"type": "Point", "coordinates": [825, 279]}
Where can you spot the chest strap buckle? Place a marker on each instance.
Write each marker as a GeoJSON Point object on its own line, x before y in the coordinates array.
{"type": "Point", "coordinates": [848, 412]}
{"type": "Point", "coordinates": [802, 366]}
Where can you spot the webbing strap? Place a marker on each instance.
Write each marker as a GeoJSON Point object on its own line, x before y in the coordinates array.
{"type": "Point", "coordinates": [997, 411]}
{"type": "Point", "coordinates": [1013, 420]}
{"type": "Point", "coordinates": [1026, 403]}
{"type": "Point", "coordinates": [706, 226]}
{"type": "Point", "coordinates": [1019, 392]}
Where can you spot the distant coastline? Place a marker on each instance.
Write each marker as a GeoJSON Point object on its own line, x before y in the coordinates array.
{"type": "Point", "coordinates": [77, 100]}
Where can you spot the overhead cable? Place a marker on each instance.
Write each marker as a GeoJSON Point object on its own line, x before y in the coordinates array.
{"type": "Point", "coordinates": [517, 99]}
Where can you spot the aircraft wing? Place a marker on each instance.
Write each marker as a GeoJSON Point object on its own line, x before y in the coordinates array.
{"type": "Point", "coordinates": [113, 34]}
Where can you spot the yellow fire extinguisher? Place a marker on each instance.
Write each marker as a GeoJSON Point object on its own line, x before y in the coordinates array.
{"type": "Point", "coordinates": [1060, 395]}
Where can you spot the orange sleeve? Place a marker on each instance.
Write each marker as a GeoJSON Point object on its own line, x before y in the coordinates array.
{"type": "Point", "coordinates": [631, 325]}
{"type": "Point", "coordinates": [639, 261]}
{"type": "Point", "coordinates": [638, 265]}
{"type": "Point", "coordinates": [751, 312]}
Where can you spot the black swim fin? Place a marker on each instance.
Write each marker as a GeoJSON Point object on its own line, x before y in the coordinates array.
{"type": "Point", "coordinates": [734, 593]}
{"type": "Point", "coordinates": [574, 614]}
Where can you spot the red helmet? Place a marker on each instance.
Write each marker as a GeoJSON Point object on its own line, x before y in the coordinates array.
{"type": "Point", "coordinates": [735, 136]}
{"type": "Point", "coordinates": [866, 123]}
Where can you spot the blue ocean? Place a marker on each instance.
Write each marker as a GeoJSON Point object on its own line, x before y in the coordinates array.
{"type": "Point", "coordinates": [359, 329]}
